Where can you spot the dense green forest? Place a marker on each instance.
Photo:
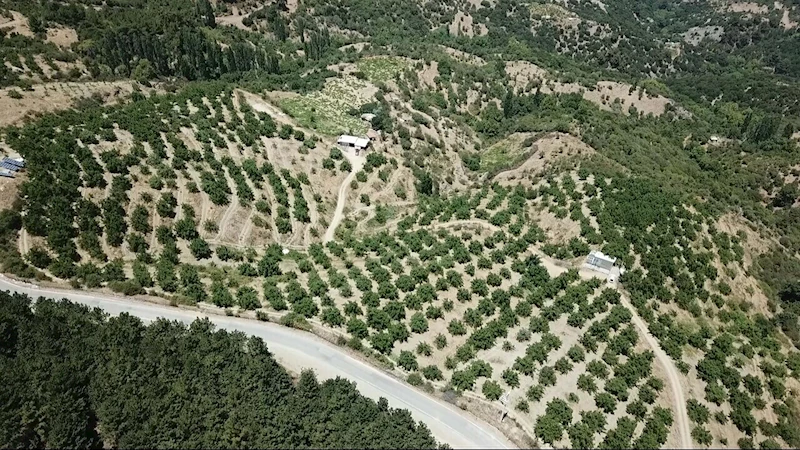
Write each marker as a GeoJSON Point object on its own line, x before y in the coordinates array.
{"type": "Point", "coordinates": [75, 378]}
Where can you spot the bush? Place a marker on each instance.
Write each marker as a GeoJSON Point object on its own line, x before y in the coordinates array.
{"type": "Point", "coordinates": [702, 436]}
{"type": "Point", "coordinates": [697, 412]}
{"type": "Point", "coordinates": [294, 320]}
{"type": "Point", "coordinates": [419, 324]}
{"type": "Point", "coordinates": [39, 257]}
{"type": "Point", "coordinates": [547, 376]}
{"type": "Point", "coordinates": [456, 328]}
{"type": "Point", "coordinates": [440, 341]}
{"type": "Point", "coordinates": [127, 287]}
{"type": "Point", "coordinates": [492, 390]}
{"type": "Point", "coordinates": [247, 298]}
{"type": "Point", "coordinates": [535, 393]}
{"type": "Point", "coordinates": [576, 353]}
{"type": "Point", "coordinates": [432, 373]}
{"type": "Point", "coordinates": [286, 132]}
{"type": "Point", "coordinates": [511, 377]}
{"type": "Point", "coordinates": [382, 342]}
{"type": "Point", "coordinates": [200, 249]}
{"type": "Point", "coordinates": [605, 402]}
{"type": "Point", "coordinates": [407, 361]}
{"type": "Point", "coordinates": [415, 379]}
{"type": "Point", "coordinates": [331, 316]}
{"type": "Point", "coordinates": [423, 348]}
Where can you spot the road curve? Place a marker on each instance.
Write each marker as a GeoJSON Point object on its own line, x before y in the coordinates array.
{"type": "Point", "coordinates": [297, 350]}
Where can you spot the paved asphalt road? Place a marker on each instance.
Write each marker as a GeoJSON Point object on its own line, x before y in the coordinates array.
{"type": "Point", "coordinates": [297, 350]}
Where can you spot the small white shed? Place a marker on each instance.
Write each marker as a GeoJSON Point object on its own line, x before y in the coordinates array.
{"type": "Point", "coordinates": [357, 143]}
{"type": "Point", "coordinates": [600, 262]}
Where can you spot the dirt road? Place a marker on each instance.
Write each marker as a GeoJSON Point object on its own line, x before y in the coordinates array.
{"type": "Point", "coordinates": [681, 417]}
{"type": "Point", "coordinates": [357, 163]}
{"type": "Point", "coordinates": [673, 375]}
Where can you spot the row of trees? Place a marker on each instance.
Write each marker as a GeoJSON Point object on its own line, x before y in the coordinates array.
{"type": "Point", "coordinates": [70, 137]}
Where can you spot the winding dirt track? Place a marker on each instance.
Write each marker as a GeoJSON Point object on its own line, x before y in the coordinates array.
{"type": "Point", "coordinates": [226, 217]}
{"type": "Point", "coordinates": [24, 246]}
{"type": "Point", "coordinates": [679, 400]}
{"type": "Point", "coordinates": [357, 162]}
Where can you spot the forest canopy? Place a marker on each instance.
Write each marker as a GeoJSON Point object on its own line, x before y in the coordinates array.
{"type": "Point", "coordinates": [75, 377]}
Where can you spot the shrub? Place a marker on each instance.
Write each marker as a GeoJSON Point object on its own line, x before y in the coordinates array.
{"type": "Point", "coordinates": [492, 390]}
{"type": "Point", "coordinates": [457, 328]}
{"type": "Point", "coordinates": [419, 324]}
{"type": "Point", "coordinates": [511, 377]}
{"type": "Point", "coordinates": [547, 376]}
{"type": "Point", "coordinates": [407, 361]}
{"type": "Point", "coordinates": [423, 348]}
{"type": "Point", "coordinates": [440, 341]}
{"type": "Point", "coordinates": [415, 379]}
{"type": "Point", "coordinates": [294, 320]}
{"type": "Point", "coordinates": [432, 373]}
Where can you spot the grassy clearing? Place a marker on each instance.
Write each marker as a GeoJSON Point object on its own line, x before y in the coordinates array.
{"type": "Point", "coordinates": [326, 111]}
{"type": "Point", "coordinates": [549, 9]}
{"type": "Point", "coordinates": [381, 70]}
{"type": "Point", "coordinates": [387, 213]}
{"type": "Point", "coordinates": [502, 155]}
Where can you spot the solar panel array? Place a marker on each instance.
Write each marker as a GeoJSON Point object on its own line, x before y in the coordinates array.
{"type": "Point", "coordinates": [9, 166]}
{"type": "Point", "coordinates": [6, 173]}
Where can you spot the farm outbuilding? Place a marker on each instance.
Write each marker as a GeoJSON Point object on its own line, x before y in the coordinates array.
{"type": "Point", "coordinates": [357, 143]}
{"type": "Point", "coordinates": [9, 166]}
{"type": "Point", "coordinates": [600, 262]}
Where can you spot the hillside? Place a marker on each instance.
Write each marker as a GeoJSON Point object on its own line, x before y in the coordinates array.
{"type": "Point", "coordinates": [187, 150]}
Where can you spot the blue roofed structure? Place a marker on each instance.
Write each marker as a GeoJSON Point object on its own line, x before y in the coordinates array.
{"type": "Point", "coordinates": [18, 162]}
{"type": "Point", "coordinates": [9, 166]}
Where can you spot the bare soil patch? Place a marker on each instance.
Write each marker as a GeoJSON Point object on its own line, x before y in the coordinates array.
{"type": "Point", "coordinates": [523, 72]}
{"type": "Point", "coordinates": [604, 94]}
{"type": "Point", "coordinates": [9, 189]}
{"type": "Point", "coordinates": [628, 96]}
{"type": "Point", "coordinates": [232, 228]}
{"type": "Point", "coordinates": [747, 7]}
{"type": "Point", "coordinates": [478, 4]}
{"type": "Point", "coordinates": [786, 21]}
{"type": "Point", "coordinates": [558, 231]}
{"type": "Point", "coordinates": [696, 35]}
{"type": "Point", "coordinates": [463, 25]}
{"type": "Point", "coordinates": [462, 56]}
{"type": "Point", "coordinates": [754, 245]}
{"type": "Point", "coordinates": [55, 96]}
{"type": "Point", "coordinates": [427, 75]}
{"type": "Point", "coordinates": [744, 287]}
{"type": "Point", "coordinates": [18, 24]}
{"type": "Point", "coordinates": [234, 19]}
{"type": "Point", "coordinates": [547, 150]}
{"type": "Point", "coordinates": [62, 37]}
